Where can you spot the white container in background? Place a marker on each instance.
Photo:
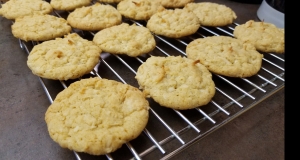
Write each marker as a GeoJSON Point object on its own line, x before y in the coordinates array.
{"type": "Point", "coordinates": [268, 14]}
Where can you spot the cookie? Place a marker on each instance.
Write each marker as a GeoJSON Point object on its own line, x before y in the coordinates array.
{"type": "Point", "coordinates": [63, 58]}
{"type": "Point", "coordinates": [175, 3]}
{"type": "Point", "coordinates": [173, 23]}
{"type": "Point", "coordinates": [69, 5]}
{"type": "Point", "coordinates": [97, 116]}
{"type": "Point", "coordinates": [13, 9]}
{"type": "Point", "coordinates": [225, 56]}
{"type": "Point", "coordinates": [39, 27]}
{"type": "Point", "coordinates": [139, 9]}
{"type": "Point", "coordinates": [176, 82]}
{"type": "Point", "coordinates": [212, 14]}
{"type": "Point", "coordinates": [266, 37]}
{"type": "Point", "coordinates": [95, 17]}
{"type": "Point", "coordinates": [131, 40]}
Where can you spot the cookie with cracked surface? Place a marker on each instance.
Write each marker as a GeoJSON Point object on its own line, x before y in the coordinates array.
{"type": "Point", "coordinates": [95, 17]}
{"type": "Point", "coordinates": [266, 37]}
{"type": "Point", "coordinates": [212, 14]}
{"type": "Point", "coordinates": [13, 9]}
{"type": "Point", "coordinates": [173, 23]}
{"type": "Point", "coordinates": [225, 56]}
{"type": "Point", "coordinates": [176, 82]}
{"type": "Point", "coordinates": [40, 27]}
{"type": "Point", "coordinates": [175, 3]}
{"type": "Point", "coordinates": [64, 58]}
{"type": "Point", "coordinates": [139, 9]}
{"type": "Point", "coordinates": [69, 5]}
{"type": "Point", "coordinates": [131, 40]}
{"type": "Point", "coordinates": [97, 116]}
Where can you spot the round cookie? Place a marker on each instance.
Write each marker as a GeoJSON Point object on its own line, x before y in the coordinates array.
{"type": "Point", "coordinates": [226, 56]}
{"type": "Point", "coordinates": [97, 116]}
{"type": "Point", "coordinates": [95, 17]}
{"type": "Point", "coordinates": [212, 14]}
{"type": "Point", "coordinates": [266, 37]}
{"type": "Point", "coordinates": [39, 27]}
{"type": "Point", "coordinates": [69, 5]}
{"type": "Point", "coordinates": [131, 40]}
{"type": "Point", "coordinates": [175, 3]}
{"type": "Point", "coordinates": [176, 82]}
{"type": "Point", "coordinates": [139, 9]}
{"type": "Point", "coordinates": [13, 9]}
{"type": "Point", "coordinates": [63, 58]}
{"type": "Point", "coordinates": [173, 23]}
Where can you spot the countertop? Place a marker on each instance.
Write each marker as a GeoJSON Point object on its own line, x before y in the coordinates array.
{"type": "Point", "coordinates": [254, 135]}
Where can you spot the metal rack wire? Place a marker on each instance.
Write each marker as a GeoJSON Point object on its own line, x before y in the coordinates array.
{"type": "Point", "coordinates": [170, 131]}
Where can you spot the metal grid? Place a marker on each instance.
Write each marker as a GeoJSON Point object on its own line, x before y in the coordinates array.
{"type": "Point", "coordinates": [170, 131]}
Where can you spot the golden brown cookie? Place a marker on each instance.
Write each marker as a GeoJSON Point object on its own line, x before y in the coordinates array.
{"type": "Point", "coordinates": [131, 40]}
{"type": "Point", "coordinates": [139, 9]}
{"type": "Point", "coordinates": [173, 23]}
{"type": "Point", "coordinates": [13, 9]}
{"type": "Point", "coordinates": [225, 55]}
{"type": "Point", "coordinates": [95, 17]}
{"type": "Point", "coordinates": [212, 14]}
{"type": "Point", "coordinates": [40, 27]}
{"type": "Point", "coordinates": [97, 116]}
{"type": "Point", "coordinates": [266, 37]}
{"type": "Point", "coordinates": [176, 82]}
{"type": "Point", "coordinates": [69, 5]}
{"type": "Point", "coordinates": [64, 58]}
